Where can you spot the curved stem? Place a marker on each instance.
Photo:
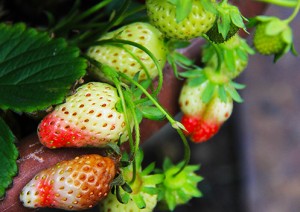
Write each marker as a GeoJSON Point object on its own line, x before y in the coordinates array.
{"type": "Point", "coordinates": [173, 122]}
{"type": "Point", "coordinates": [126, 116]}
{"type": "Point", "coordinates": [156, 62]}
{"type": "Point", "coordinates": [294, 14]}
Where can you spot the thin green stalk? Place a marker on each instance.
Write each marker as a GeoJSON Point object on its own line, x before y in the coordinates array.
{"type": "Point", "coordinates": [118, 41]}
{"type": "Point", "coordinates": [137, 135]}
{"type": "Point", "coordinates": [294, 14]}
{"type": "Point", "coordinates": [126, 117]}
{"type": "Point", "coordinates": [173, 122]}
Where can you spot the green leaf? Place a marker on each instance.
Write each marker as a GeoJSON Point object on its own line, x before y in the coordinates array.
{"type": "Point", "coordinates": [152, 113]}
{"type": "Point", "coordinates": [208, 92]}
{"type": "Point", "coordinates": [8, 157]}
{"type": "Point", "coordinates": [36, 71]}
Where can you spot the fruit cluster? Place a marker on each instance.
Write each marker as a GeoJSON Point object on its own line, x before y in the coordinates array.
{"type": "Point", "coordinates": [105, 112]}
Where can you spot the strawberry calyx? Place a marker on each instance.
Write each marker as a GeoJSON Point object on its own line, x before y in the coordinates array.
{"type": "Point", "coordinates": [142, 183]}
{"type": "Point", "coordinates": [229, 21]}
{"type": "Point", "coordinates": [178, 187]}
{"type": "Point", "coordinates": [230, 57]}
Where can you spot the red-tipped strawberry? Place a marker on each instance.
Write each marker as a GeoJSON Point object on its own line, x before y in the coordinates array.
{"type": "Point", "coordinates": [129, 59]}
{"type": "Point", "coordinates": [202, 119]}
{"type": "Point", "coordinates": [76, 184]}
{"type": "Point", "coordinates": [87, 118]}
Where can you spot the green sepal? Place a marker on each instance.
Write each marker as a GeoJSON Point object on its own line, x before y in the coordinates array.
{"type": "Point", "coordinates": [233, 93]}
{"type": "Point", "coordinates": [183, 8]}
{"type": "Point", "coordinates": [209, 6]}
{"type": "Point", "coordinates": [229, 59]}
{"type": "Point", "coordinates": [223, 23]}
{"type": "Point", "coordinates": [149, 169]}
{"type": "Point", "coordinates": [139, 201]}
{"type": "Point", "coordinates": [222, 93]}
{"type": "Point", "coordinates": [208, 92]}
{"type": "Point", "coordinates": [192, 73]}
{"type": "Point", "coordinates": [275, 27]}
{"type": "Point", "coordinates": [237, 85]}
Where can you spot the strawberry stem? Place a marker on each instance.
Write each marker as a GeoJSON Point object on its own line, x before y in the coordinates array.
{"type": "Point", "coordinates": [294, 14]}
{"type": "Point", "coordinates": [173, 122]}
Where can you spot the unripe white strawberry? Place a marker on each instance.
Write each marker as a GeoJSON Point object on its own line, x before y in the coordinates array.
{"type": "Point", "coordinates": [122, 57]}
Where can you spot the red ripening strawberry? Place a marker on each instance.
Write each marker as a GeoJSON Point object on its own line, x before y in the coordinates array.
{"type": "Point", "coordinates": [202, 120]}
{"type": "Point", "coordinates": [76, 184]}
{"type": "Point", "coordinates": [87, 118]}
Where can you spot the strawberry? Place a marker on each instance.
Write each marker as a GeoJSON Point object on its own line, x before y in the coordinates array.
{"type": "Point", "coordinates": [273, 36]}
{"type": "Point", "coordinates": [162, 14]}
{"type": "Point", "coordinates": [234, 53]}
{"type": "Point", "coordinates": [123, 57]}
{"type": "Point", "coordinates": [75, 184]}
{"type": "Point", "coordinates": [88, 118]}
{"type": "Point", "coordinates": [179, 188]}
{"type": "Point", "coordinates": [202, 119]}
{"type": "Point", "coordinates": [144, 194]}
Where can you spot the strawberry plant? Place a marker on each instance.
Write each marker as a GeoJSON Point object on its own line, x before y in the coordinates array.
{"type": "Point", "coordinates": [90, 76]}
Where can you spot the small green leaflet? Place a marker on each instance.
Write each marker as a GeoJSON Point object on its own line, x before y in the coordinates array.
{"type": "Point", "coordinates": [208, 92]}
{"type": "Point", "coordinates": [183, 8]}
{"type": "Point", "coordinates": [8, 157]}
{"type": "Point", "coordinates": [35, 70]}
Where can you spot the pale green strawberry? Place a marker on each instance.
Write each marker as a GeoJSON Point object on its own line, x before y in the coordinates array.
{"type": "Point", "coordinates": [162, 14]}
{"type": "Point", "coordinates": [273, 36]}
{"type": "Point", "coordinates": [122, 59]}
